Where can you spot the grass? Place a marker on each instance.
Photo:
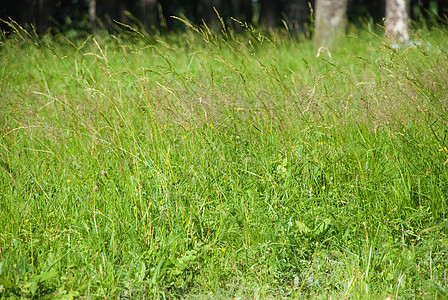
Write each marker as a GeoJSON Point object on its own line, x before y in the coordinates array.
{"type": "Point", "coordinates": [205, 165]}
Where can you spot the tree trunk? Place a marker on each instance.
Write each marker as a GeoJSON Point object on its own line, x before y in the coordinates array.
{"type": "Point", "coordinates": [397, 19]}
{"type": "Point", "coordinates": [269, 13]}
{"type": "Point", "coordinates": [92, 14]}
{"type": "Point", "coordinates": [150, 14]}
{"type": "Point", "coordinates": [331, 21]}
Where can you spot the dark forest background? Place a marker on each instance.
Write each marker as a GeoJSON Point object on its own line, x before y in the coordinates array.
{"type": "Point", "coordinates": [156, 15]}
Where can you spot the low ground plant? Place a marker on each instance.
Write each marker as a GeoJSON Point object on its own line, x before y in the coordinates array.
{"type": "Point", "coordinates": [214, 165]}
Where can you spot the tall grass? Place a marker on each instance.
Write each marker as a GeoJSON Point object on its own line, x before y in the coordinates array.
{"type": "Point", "coordinates": [222, 165]}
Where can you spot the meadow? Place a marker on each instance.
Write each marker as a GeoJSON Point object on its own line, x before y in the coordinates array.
{"type": "Point", "coordinates": [204, 165]}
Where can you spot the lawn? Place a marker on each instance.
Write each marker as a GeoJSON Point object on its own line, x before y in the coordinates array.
{"type": "Point", "coordinates": [216, 165]}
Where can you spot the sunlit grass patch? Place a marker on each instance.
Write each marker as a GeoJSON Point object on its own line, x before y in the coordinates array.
{"type": "Point", "coordinates": [239, 166]}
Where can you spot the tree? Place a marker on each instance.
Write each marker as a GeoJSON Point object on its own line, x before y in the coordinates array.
{"type": "Point", "coordinates": [92, 14]}
{"type": "Point", "coordinates": [397, 19]}
{"type": "Point", "coordinates": [330, 21]}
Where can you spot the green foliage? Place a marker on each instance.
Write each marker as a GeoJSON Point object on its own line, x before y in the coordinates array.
{"type": "Point", "coordinates": [201, 165]}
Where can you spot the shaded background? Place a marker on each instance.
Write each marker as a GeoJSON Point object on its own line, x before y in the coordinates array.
{"type": "Point", "coordinates": [155, 15]}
